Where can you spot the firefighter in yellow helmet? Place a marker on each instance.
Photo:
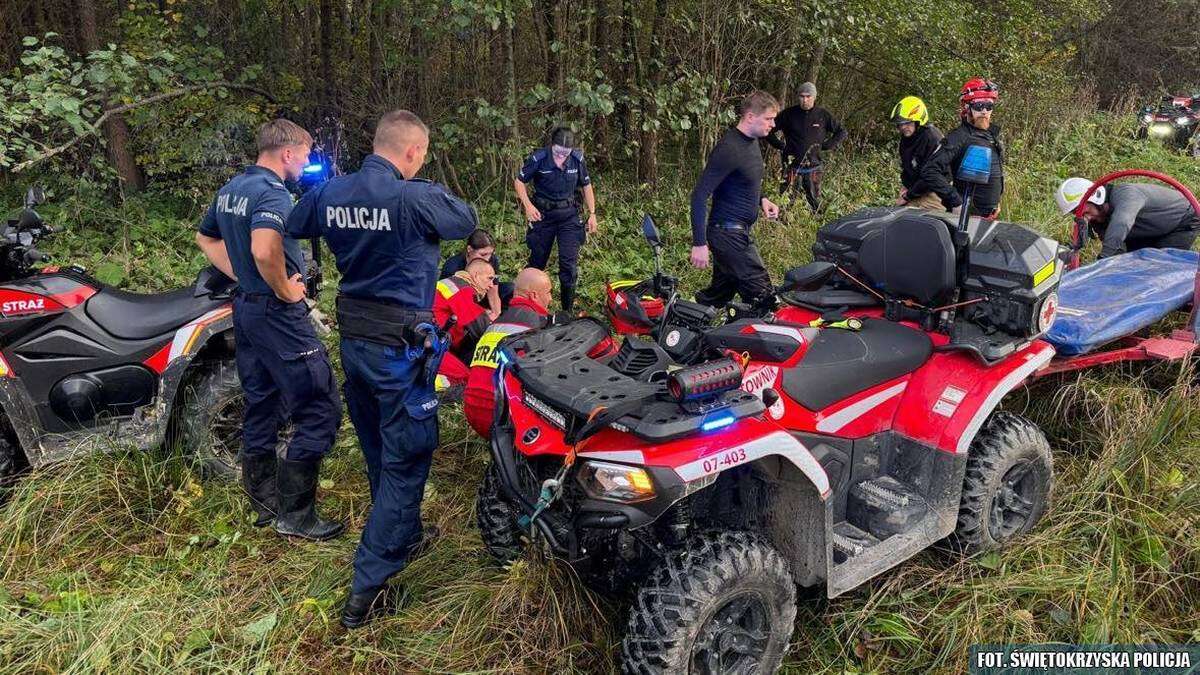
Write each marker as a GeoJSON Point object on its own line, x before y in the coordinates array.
{"type": "Point", "coordinates": [918, 140]}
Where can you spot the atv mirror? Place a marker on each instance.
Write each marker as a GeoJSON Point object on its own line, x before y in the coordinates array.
{"type": "Point", "coordinates": [976, 165]}
{"type": "Point", "coordinates": [650, 231]}
{"type": "Point", "coordinates": [36, 195]}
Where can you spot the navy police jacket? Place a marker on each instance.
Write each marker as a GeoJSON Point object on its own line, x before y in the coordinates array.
{"type": "Point", "coordinates": [551, 182]}
{"type": "Point", "coordinates": [383, 231]}
{"type": "Point", "coordinates": [253, 199]}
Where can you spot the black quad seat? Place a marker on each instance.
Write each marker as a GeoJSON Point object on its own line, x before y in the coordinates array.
{"type": "Point", "coordinates": [136, 316]}
{"type": "Point", "coordinates": [844, 362]}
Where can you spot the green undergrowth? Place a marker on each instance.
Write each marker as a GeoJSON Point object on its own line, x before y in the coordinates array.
{"type": "Point", "coordinates": [132, 562]}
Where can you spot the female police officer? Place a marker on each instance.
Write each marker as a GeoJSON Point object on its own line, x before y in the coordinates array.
{"type": "Point", "coordinates": [557, 172]}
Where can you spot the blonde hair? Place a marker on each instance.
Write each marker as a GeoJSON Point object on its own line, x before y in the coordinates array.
{"type": "Point", "coordinates": [395, 130]}
{"type": "Point", "coordinates": [279, 133]}
{"type": "Point", "coordinates": [757, 102]}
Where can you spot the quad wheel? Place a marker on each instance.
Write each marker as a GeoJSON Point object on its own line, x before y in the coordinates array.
{"type": "Point", "coordinates": [724, 602]}
{"type": "Point", "coordinates": [208, 419]}
{"type": "Point", "coordinates": [12, 461]}
{"type": "Point", "coordinates": [1010, 474]}
{"type": "Point", "coordinates": [497, 519]}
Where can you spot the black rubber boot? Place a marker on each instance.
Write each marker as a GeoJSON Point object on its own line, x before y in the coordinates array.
{"type": "Point", "coordinates": [258, 480]}
{"type": "Point", "coordinates": [297, 516]}
{"type": "Point", "coordinates": [568, 298]}
{"type": "Point", "coordinates": [361, 608]}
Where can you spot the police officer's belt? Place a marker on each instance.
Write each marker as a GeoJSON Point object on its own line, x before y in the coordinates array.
{"type": "Point", "coordinates": [553, 204]}
{"type": "Point", "coordinates": [380, 322]}
{"type": "Point", "coordinates": [730, 226]}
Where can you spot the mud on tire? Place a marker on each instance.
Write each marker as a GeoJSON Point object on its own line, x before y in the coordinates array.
{"type": "Point", "coordinates": [497, 519]}
{"type": "Point", "coordinates": [207, 419]}
{"type": "Point", "coordinates": [724, 602]}
{"type": "Point", "coordinates": [1009, 478]}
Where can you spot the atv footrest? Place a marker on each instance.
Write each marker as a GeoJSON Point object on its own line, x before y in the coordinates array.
{"type": "Point", "coordinates": [885, 507]}
{"type": "Point", "coordinates": [849, 541]}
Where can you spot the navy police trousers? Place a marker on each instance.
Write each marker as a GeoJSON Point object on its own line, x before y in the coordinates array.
{"type": "Point", "coordinates": [285, 374]}
{"type": "Point", "coordinates": [563, 225]}
{"type": "Point", "coordinates": [395, 414]}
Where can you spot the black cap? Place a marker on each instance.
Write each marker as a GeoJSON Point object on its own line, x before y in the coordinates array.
{"type": "Point", "coordinates": [562, 136]}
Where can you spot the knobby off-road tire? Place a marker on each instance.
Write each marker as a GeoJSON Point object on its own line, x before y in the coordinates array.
{"type": "Point", "coordinates": [12, 462]}
{"type": "Point", "coordinates": [208, 419]}
{"type": "Point", "coordinates": [497, 519]}
{"type": "Point", "coordinates": [723, 603]}
{"type": "Point", "coordinates": [1010, 475]}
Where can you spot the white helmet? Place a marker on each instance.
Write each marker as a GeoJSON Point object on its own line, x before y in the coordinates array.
{"type": "Point", "coordinates": [1071, 191]}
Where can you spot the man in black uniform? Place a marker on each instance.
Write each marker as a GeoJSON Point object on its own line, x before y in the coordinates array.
{"type": "Point", "coordinates": [283, 367]}
{"type": "Point", "coordinates": [977, 101]}
{"type": "Point", "coordinates": [1132, 216]}
{"type": "Point", "coordinates": [383, 225]}
{"type": "Point", "coordinates": [918, 140]}
{"type": "Point", "coordinates": [733, 179]}
{"type": "Point", "coordinates": [808, 130]}
{"type": "Point", "coordinates": [557, 173]}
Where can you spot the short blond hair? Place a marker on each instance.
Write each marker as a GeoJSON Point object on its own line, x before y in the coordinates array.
{"type": "Point", "coordinates": [280, 133]}
{"type": "Point", "coordinates": [396, 130]}
{"type": "Point", "coordinates": [757, 102]}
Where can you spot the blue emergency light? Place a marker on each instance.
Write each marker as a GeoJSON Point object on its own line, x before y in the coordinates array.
{"type": "Point", "coordinates": [976, 165]}
{"type": "Point", "coordinates": [717, 423]}
{"type": "Point", "coordinates": [314, 168]}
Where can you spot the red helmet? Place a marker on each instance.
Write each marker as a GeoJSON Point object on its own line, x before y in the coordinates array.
{"type": "Point", "coordinates": [978, 89]}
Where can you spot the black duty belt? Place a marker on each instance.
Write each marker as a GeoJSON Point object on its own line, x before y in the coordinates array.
{"type": "Point", "coordinates": [380, 322]}
{"type": "Point", "coordinates": [553, 204]}
{"type": "Point", "coordinates": [730, 226]}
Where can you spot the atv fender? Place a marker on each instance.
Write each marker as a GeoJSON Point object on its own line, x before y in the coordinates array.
{"type": "Point", "coordinates": [947, 401]}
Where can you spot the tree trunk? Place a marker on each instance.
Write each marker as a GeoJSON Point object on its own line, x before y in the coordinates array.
{"type": "Point", "coordinates": [814, 62]}
{"type": "Point", "coordinates": [116, 132]}
{"type": "Point", "coordinates": [630, 66]}
{"type": "Point", "coordinates": [327, 90]}
{"type": "Point", "coordinates": [509, 28]}
{"type": "Point", "coordinates": [648, 152]}
{"type": "Point", "coordinates": [600, 52]}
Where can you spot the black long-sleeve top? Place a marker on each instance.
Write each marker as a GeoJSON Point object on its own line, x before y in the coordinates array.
{"type": "Point", "coordinates": [806, 133]}
{"type": "Point", "coordinates": [915, 150]}
{"type": "Point", "coordinates": [733, 178]}
{"type": "Point", "coordinates": [942, 168]}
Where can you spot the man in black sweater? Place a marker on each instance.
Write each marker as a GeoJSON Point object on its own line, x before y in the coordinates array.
{"type": "Point", "coordinates": [977, 100]}
{"type": "Point", "coordinates": [733, 179]}
{"type": "Point", "coordinates": [918, 141]}
{"type": "Point", "coordinates": [808, 130]}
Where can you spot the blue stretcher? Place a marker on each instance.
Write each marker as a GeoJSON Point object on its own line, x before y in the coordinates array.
{"type": "Point", "coordinates": [1118, 296]}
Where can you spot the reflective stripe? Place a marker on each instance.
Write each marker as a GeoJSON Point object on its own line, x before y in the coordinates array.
{"type": "Point", "coordinates": [447, 288]}
{"type": "Point", "coordinates": [485, 349]}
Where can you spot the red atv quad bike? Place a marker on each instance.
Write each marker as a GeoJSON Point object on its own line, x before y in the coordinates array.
{"type": "Point", "coordinates": [710, 471]}
{"type": "Point", "coordinates": [83, 364]}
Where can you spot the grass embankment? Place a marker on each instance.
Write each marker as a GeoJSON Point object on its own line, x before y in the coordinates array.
{"type": "Point", "coordinates": [129, 562]}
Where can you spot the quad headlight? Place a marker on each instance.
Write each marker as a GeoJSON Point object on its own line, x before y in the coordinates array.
{"type": "Point", "coordinates": [1183, 120]}
{"type": "Point", "coordinates": [1146, 118]}
{"type": "Point", "coordinates": [616, 482]}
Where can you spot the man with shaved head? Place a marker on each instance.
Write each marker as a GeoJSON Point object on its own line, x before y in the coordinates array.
{"type": "Point", "coordinates": [532, 295]}
{"type": "Point", "coordinates": [383, 225]}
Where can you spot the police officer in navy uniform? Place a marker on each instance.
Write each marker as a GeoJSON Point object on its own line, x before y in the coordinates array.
{"type": "Point", "coordinates": [557, 172]}
{"type": "Point", "coordinates": [383, 226]}
{"type": "Point", "coordinates": [283, 367]}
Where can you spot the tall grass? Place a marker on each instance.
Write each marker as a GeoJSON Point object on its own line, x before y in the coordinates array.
{"type": "Point", "coordinates": [129, 562]}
